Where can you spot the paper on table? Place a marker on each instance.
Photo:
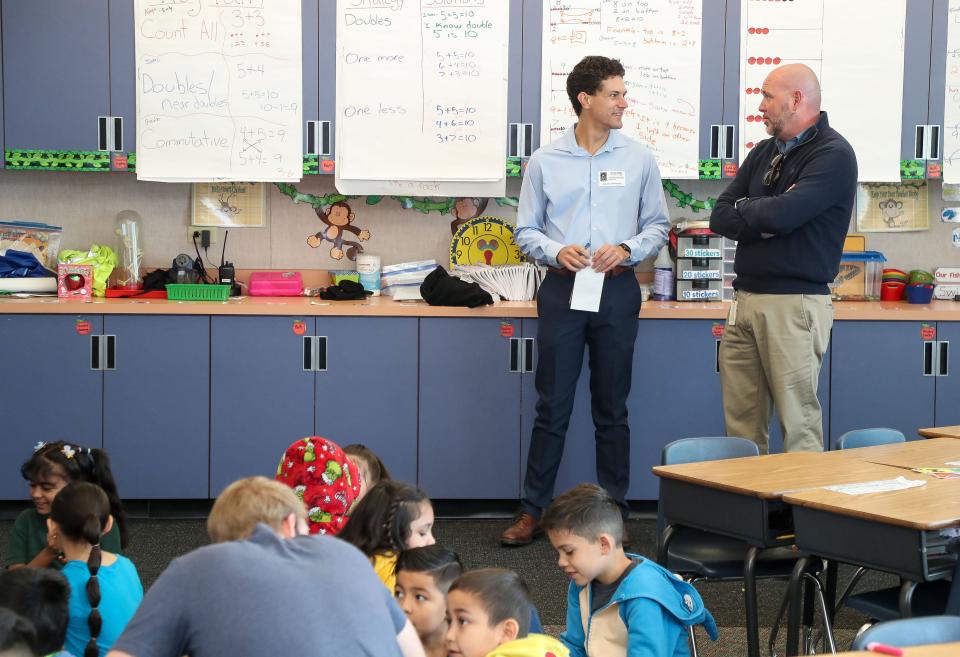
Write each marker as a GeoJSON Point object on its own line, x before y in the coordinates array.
{"type": "Point", "coordinates": [881, 486]}
{"type": "Point", "coordinates": [587, 288]}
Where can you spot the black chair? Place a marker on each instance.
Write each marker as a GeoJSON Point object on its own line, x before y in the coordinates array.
{"type": "Point", "coordinates": [908, 632]}
{"type": "Point", "coordinates": [698, 555]}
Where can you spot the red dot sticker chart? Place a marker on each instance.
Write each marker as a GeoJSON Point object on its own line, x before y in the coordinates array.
{"type": "Point", "coordinates": [849, 44]}
{"type": "Point", "coordinates": [659, 44]}
{"type": "Point", "coordinates": [421, 95]}
{"type": "Point", "coordinates": [219, 90]}
{"type": "Point", "coordinates": [951, 106]}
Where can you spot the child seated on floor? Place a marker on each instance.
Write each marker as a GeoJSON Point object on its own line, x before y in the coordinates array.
{"type": "Point", "coordinates": [424, 576]}
{"type": "Point", "coordinates": [393, 516]}
{"type": "Point", "coordinates": [617, 604]}
{"type": "Point", "coordinates": [42, 596]}
{"type": "Point", "coordinates": [488, 612]}
{"type": "Point", "coordinates": [105, 587]}
{"type": "Point", "coordinates": [324, 479]}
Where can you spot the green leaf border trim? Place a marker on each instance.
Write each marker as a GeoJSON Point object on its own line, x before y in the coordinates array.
{"type": "Point", "coordinates": [35, 160]}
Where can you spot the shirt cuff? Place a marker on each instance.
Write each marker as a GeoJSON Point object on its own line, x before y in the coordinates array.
{"type": "Point", "coordinates": [550, 251]}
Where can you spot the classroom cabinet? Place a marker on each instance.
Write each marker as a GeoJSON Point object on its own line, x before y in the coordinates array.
{"type": "Point", "coordinates": [123, 74]}
{"type": "Point", "coordinates": [49, 389]}
{"type": "Point", "coordinates": [277, 379]}
{"type": "Point", "coordinates": [156, 404]}
{"type": "Point", "coordinates": [675, 393]}
{"type": "Point", "coordinates": [881, 376]}
{"type": "Point", "coordinates": [310, 29]}
{"type": "Point", "coordinates": [56, 73]}
{"type": "Point", "coordinates": [470, 387]}
{"type": "Point", "coordinates": [136, 386]}
{"type": "Point", "coordinates": [947, 410]}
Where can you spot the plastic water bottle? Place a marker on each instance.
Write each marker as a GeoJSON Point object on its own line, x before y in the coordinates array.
{"type": "Point", "coordinates": [663, 279]}
{"type": "Point", "coordinates": [368, 266]}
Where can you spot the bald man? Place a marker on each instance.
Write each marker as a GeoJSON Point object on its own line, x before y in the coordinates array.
{"type": "Point", "coordinates": [789, 209]}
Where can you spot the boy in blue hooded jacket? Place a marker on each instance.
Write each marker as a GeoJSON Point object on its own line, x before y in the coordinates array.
{"type": "Point", "coordinates": [618, 604]}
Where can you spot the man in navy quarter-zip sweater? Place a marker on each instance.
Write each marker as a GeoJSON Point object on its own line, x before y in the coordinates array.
{"type": "Point", "coordinates": [789, 209]}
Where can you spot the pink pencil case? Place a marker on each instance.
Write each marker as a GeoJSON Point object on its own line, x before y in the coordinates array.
{"type": "Point", "coordinates": [275, 284]}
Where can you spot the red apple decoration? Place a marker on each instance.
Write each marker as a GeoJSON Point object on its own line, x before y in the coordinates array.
{"type": "Point", "coordinates": [73, 281]}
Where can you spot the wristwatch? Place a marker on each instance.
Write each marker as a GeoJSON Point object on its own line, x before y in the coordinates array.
{"type": "Point", "coordinates": [625, 248]}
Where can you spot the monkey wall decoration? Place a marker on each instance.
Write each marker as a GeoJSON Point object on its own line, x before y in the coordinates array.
{"type": "Point", "coordinates": [338, 218]}
{"type": "Point", "coordinates": [465, 209]}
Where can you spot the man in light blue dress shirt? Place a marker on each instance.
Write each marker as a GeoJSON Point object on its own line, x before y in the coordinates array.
{"type": "Point", "coordinates": [592, 198]}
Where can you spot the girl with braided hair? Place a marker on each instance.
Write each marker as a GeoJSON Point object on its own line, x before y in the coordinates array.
{"type": "Point", "coordinates": [48, 471]}
{"type": "Point", "coordinates": [105, 587]}
{"type": "Point", "coordinates": [393, 516]}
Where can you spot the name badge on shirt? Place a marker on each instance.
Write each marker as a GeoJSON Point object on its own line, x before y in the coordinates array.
{"type": "Point", "coordinates": [612, 179]}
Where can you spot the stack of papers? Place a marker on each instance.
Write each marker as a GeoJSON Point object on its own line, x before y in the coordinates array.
{"type": "Point", "coordinates": [402, 281]}
{"type": "Point", "coordinates": [509, 282]}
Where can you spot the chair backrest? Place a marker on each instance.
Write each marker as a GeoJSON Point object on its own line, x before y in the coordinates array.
{"type": "Point", "coordinates": [691, 450]}
{"type": "Point", "coordinates": [907, 632]}
{"type": "Point", "coordinates": [869, 438]}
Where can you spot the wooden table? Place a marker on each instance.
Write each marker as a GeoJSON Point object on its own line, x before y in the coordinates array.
{"type": "Point", "coordinates": [741, 498]}
{"type": "Point", "coordinates": [941, 432]}
{"type": "Point", "coordinates": [897, 532]}
{"type": "Point", "coordinates": [932, 453]}
{"type": "Point", "coordinates": [938, 650]}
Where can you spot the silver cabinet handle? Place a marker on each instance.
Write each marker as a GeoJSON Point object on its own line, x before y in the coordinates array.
{"type": "Point", "coordinates": [95, 359]}
{"type": "Point", "coordinates": [943, 358]}
{"type": "Point", "coordinates": [515, 355]}
{"type": "Point", "coordinates": [929, 358]}
{"type": "Point", "coordinates": [528, 347]}
{"type": "Point", "coordinates": [320, 354]}
{"type": "Point", "coordinates": [307, 360]}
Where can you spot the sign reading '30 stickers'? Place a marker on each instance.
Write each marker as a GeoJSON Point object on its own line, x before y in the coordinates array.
{"type": "Point", "coordinates": [484, 241]}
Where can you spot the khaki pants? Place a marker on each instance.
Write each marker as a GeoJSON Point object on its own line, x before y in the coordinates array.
{"type": "Point", "coordinates": [771, 354]}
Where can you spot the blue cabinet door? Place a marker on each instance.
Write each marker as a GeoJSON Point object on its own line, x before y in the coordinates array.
{"type": "Point", "coordinates": [469, 410]}
{"type": "Point", "coordinates": [531, 69]}
{"type": "Point", "coordinates": [48, 390]}
{"type": "Point", "coordinates": [877, 378]}
{"type": "Point", "coordinates": [675, 394]}
{"type": "Point", "coordinates": [579, 462]}
{"type": "Point", "coordinates": [711, 72]}
{"type": "Point", "coordinates": [938, 70]}
{"type": "Point", "coordinates": [917, 58]}
{"type": "Point", "coordinates": [731, 70]}
{"type": "Point", "coordinates": [947, 412]}
{"type": "Point", "coordinates": [515, 66]}
{"type": "Point", "coordinates": [310, 27]}
{"type": "Point", "coordinates": [327, 70]}
{"type": "Point", "coordinates": [368, 391]}
{"type": "Point", "coordinates": [123, 75]}
{"type": "Point", "coordinates": [56, 73]}
{"type": "Point", "coordinates": [261, 395]}
{"type": "Point", "coordinates": [156, 406]}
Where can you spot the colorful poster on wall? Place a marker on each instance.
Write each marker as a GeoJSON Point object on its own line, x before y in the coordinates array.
{"type": "Point", "coordinates": [229, 204]}
{"type": "Point", "coordinates": [892, 207]}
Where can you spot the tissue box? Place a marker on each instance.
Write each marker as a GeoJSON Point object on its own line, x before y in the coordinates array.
{"type": "Point", "coordinates": [275, 284]}
{"type": "Point", "coordinates": [74, 281]}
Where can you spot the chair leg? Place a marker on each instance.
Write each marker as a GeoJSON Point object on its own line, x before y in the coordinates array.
{"type": "Point", "coordinates": [849, 588]}
{"type": "Point", "coordinates": [906, 598]}
{"type": "Point", "coordinates": [775, 630]}
{"type": "Point", "coordinates": [693, 641]}
{"type": "Point", "coordinates": [827, 625]}
{"type": "Point", "coordinates": [663, 545]}
{"type": "Point", "coordinates": [750, 602]}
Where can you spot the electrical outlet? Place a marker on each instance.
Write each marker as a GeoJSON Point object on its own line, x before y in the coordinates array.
{"type": "Point", "coordinates": [199, 231]}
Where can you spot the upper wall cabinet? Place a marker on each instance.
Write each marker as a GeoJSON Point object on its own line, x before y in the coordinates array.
{"type": "Point", "coordinates": [56, 73]}
{"type": "Point", "coordinates": [123, 76]}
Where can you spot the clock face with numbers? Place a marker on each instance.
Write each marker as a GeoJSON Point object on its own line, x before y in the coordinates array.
{"type": "Point", "coordinates": [484, 241]}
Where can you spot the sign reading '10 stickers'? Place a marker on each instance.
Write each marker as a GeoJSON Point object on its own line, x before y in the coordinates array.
{"type": "Point", "coordinates": [659, 44]}
{"type": "Point", "coordinates": [219, 90]}
{"type": "Point", "coordinates": [421, 93]}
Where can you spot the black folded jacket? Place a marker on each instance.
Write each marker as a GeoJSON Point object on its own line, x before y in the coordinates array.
{"type": "Point", "coordinates": [441, 289]}
{"type": "Point", "coordinates": [345, 291]}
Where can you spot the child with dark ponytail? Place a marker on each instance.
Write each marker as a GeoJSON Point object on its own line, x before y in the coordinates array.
{"type": "Point", "coordinates": [53, 466]}
{"type": "Point", "coordinates": [105, 587]}
{"type": "Point", "coordinates": [393, 516]}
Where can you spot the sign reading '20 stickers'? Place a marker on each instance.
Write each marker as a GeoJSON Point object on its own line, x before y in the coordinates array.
{"type": "Point", "coordinates": [484, 241]}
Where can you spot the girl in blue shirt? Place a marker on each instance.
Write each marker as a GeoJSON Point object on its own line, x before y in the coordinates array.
{"type": "Point", "coordinates": [105, 587]}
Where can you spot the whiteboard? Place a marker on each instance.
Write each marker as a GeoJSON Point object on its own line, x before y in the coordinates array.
{"type": "Point", "coordinates": [219, 90]}
{"type": "Point", "coordinates": [951, 98]}
{"type": "Point", "coordinates": [421, 91]}
{"type": "Point", "coordinates": [659, 44]}
{"type": "Point", "coordinates": [848, 54]}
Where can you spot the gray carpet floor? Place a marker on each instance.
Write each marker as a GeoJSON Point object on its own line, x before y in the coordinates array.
{"type": "Point", "coordinates": [155, 542]}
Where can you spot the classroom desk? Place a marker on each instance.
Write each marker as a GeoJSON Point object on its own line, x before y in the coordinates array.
{"type": "Point", "coordinates": [941, 432]}
{"type": "Point", "coordinates": [931, 453]}
{"type": "Point", "coordinates": [937, 650]}
{"type": "Point", "coordinates": [897, 532]}
{"type": "Point", "coordinates": [741, 498]}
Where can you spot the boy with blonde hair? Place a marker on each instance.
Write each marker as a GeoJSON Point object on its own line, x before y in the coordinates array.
{"type": "Point", "coordinates": [618, 604]}
{"type": "Point", "coordinates": [488, 612]}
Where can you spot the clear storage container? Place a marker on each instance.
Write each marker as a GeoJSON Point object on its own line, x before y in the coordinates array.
{"type": "Point", "coordinates": [859, 276]}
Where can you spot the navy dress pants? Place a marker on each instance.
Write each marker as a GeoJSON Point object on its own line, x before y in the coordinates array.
{"type": "Point", "coordinates": [562, 334]}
